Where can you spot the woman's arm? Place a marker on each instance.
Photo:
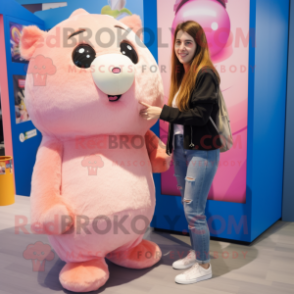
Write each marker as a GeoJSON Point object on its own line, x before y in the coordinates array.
{"type": "Point", "coordinates": [204, 96]}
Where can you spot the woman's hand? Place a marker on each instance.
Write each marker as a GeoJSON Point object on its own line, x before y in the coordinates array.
{"type": "Point", "coordinates": [150, 112]}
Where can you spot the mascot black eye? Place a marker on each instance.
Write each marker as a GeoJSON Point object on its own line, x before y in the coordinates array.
{"type": "Point", "coordinates": [83, 55]}
{"type": "Point", "coordinates": [128, 50]}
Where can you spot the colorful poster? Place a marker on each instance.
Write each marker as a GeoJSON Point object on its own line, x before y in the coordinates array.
{"type": "Point", "coordinates": [15, 33]}
{"type": "Point", "coordinates": [1, 128]}
{"type": "Point", "coordinates": [2, 168]}
{"type": "Point", "coordinates": [9, 165]}
{"type": "Point", "coordinates": [21, 113]}
{"type": "Point", "coordinates": [226, 24]}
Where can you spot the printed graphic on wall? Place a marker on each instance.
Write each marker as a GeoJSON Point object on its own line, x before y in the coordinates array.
{"type": "Point", "coordinates": [226, 25]}
{"type": "Point", "coordinates": [21, 113]}
{"type": "Point", "coordinates": [15, 33]}
{"type": "Point", "coordinates": [1, 130]}
{"type": "Point", "coordinates": [2, 168]}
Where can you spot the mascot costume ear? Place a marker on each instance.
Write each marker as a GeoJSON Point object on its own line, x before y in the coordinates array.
{"type": "Point", "coordinates": [92, 189]}
{"type": "Point", "coordinates": [32, 37]}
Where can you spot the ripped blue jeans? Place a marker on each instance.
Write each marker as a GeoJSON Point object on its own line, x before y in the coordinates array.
{"type": "Point", "coordinates": [195, 170]}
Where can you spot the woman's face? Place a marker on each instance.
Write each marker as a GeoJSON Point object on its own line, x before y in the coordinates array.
{"type": "Point", "coordinates": [185, 47]}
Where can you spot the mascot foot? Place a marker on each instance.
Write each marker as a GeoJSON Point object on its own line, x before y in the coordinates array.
{"type": "Point", "coordinates": [143, 255]}
{"type": "Point", "coordinates": [84, 276]}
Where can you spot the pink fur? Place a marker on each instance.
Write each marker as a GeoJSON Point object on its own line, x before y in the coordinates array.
{"type": "Point", "coordinates": [135, 257]}
{"type": "Point", "coordinates": [134, 22]}
{"type": "Point", "coordinates": [78, 123]}
{"type": "Point", "coordinates": [52, 110]}
{"type": "Point", "coordinates": [84, 276]}
{"type": "Point", "coordinates": [49, 206]}
{"type": "Point", "coordinates": [28, 44]}
{"type": "Point", "coordinates": [79, 12]}
{"type": "Point", "coordinates": [156, 149]}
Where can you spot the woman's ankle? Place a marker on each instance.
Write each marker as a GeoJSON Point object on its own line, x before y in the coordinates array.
{"type": "Point", "coordinates": [205, 265]}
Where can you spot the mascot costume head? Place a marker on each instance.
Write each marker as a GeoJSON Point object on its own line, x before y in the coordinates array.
{"type": "Point", "coordinates": [92, 187]}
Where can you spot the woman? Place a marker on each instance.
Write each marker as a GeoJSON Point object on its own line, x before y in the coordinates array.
{"type": "Point", "coordinates": [193, 99]}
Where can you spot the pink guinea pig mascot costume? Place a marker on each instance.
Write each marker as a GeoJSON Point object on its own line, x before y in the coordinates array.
{"type": "Point", "coordinates": [92, 187]}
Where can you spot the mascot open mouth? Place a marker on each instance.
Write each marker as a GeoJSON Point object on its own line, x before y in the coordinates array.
{"type": "Point", "coordinates": [113, 98]}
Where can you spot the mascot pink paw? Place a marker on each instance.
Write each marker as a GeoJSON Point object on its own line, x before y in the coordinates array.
{"type": "Point", "coordinates": [160, 161]}
{"type": "Point", "coordinates": [56, 220]}
{"type": "Point", "coordinates": [84, 276]}
{"type": "Point", "coordinates": [144, 255]}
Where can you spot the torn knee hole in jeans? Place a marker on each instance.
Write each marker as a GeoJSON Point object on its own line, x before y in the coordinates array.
{"type": "Point", "coordinates": [190, 179]}
{"type": "Point", "coordinates": [187, 200]}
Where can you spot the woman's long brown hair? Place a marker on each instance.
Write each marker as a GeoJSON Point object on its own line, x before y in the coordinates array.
{"type": "Point", "coordinates": [200, 59]}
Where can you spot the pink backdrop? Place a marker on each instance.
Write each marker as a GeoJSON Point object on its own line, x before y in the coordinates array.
{"type": "Point", "coordinates": [232, 64]}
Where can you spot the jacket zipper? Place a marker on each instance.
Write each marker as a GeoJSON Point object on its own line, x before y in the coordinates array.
{"type": "Point", "coordinates": [191, 145]}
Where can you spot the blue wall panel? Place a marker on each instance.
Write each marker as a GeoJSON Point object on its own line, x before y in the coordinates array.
{"type": "Point", "coordinates": [288, 188]}
{"type": "Point", "coordinates": [56, 15]}
{"type": "Point", "coordinates": [24, 153]}
{"type": "Point", "coordinates": [272, 18]}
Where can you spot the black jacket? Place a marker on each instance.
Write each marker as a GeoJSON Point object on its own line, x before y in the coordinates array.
{"type": "Point", "coordinates": [203, 103]}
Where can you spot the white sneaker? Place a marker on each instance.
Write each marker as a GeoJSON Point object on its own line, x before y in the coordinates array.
{"type": "Point", "coordinates": [194, 274]}
{"type": "Point", "coordinates": [186, 262]}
